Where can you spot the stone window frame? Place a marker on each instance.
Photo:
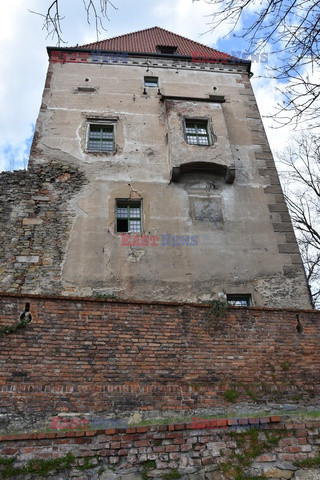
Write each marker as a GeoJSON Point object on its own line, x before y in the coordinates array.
{"type": "Point", "coordinates": [101, 122]}
{"type": "Point", "coordinates": [210, 134]}
{"type": "Point", "coordinates": [129, 203]}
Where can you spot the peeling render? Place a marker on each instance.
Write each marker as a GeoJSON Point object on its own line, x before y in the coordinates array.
{"type": "Point", "coordinates": [58, 218]}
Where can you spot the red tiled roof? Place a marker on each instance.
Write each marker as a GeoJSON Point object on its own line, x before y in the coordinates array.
{"type": "Point", "coordinates": [146, 41]}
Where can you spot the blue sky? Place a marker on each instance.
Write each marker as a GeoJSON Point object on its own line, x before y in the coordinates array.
{"type": "Point", "coordinates": [24, 59]}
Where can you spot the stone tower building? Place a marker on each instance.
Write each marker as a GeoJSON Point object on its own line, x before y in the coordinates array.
{"type": "Point", "coordinates": [150, 177]}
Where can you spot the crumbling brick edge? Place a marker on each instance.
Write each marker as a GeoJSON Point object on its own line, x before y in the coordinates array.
{"type": "Point", "coordinates": [229, 423]}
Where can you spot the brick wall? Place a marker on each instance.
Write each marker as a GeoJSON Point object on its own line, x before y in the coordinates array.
{"type": "Point", "coordinates": [160, 449]}
{"type": "Point", "coordinates": [84, 355]}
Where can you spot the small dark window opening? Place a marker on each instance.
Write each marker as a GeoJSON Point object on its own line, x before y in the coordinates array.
{"type": "Point", "coordinates": [151, 81]}
{"type": "Point", "coordinates": [239, 300]}
{"type": "Point", "coordinates": [128, 216]}
{"type": "Point", "coordinates": [170, 50]}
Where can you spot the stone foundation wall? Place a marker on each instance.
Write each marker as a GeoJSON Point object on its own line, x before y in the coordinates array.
{"type": "Point", "coordinates": [283, 450]}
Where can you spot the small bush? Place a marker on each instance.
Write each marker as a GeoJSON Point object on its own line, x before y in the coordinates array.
{"type": "Point", "coordinates": [174, 474]}
{"type": "Point", "coordinates": [231, 395]}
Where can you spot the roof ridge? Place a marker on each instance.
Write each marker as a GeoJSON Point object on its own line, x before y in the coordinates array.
{"type": "Point", "coordinates": [129, 35]}
{"type": "Point", "coordinates": [122, 35]}
{"type": "Point", "coordinates": [149, 39]}
{"type": "Point", "coordinates": [189, 39]}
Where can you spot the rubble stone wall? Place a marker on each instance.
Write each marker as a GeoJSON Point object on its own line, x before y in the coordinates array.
{"type": "Point", "coordinates": [283, 450]}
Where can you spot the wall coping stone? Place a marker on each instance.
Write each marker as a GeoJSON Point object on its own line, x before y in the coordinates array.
{"type": "Point", "coordinates": [148, 302]}
{"type": "Point", "coordinates": [274, 419]}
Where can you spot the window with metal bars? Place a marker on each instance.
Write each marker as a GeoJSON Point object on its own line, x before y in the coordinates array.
{"type": "Point", "coordinates": [151, 81]}
{"type": "Point", "coordinates": [197, 132]}
{"type": "Point", "coordinates": [239, 300]}
{"type": "Point", "coordinates": [128, 215]}
{"type": "Point", "coordinates": [100, 138]}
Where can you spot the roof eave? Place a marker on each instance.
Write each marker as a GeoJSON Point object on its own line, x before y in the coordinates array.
{"type": "Point", "coordinates": [225, 61]}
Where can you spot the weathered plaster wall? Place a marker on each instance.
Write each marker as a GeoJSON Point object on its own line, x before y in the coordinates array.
{"type": "Point", "coordinates": [245, 238]}
{"type": "Point", "coordinates": [107, 356]}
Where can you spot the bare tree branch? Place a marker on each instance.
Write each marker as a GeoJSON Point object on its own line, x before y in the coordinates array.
{"type": "Point", "coordinates": [291, 28]}
{"type": "Point", "coordinates": [52, 18]}
{"type": "Point", "coordinates": [301, 183]}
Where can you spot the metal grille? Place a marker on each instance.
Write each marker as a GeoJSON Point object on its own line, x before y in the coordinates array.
{"type": "Point", "coordinates": [239, 300]}
{"type": "Point", "coordinates": [101, 138]}
{"type": "Point", "coordinates": [150, 81]}
{"type": "Point", "coordinates": [197, 132]}
{"type": "Point", "coordinates": [128, 216]}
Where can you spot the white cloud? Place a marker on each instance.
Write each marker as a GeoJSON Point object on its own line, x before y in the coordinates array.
{"type": "Point", "coordinates": [268, 93]}
{"type": "Point", "coordinates": [24, 63]}
{"type": "Point", "coordinates": [23, 66]}
{"type": "Point", "coordinates": [190, 19]}
{"type": "Point", "coordinates": [268, 96]}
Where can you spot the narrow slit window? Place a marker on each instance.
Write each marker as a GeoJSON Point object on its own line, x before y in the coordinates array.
{"type": "Point", "coordinates": [100, 138]}
{"type": "Point", "coordinates": [197, 132]}
{"type": "Point", "coordinates": [128, 214]}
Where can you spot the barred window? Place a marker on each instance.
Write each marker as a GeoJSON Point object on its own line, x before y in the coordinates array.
{"type": "Point", "coordinates": [100, 138]}
{"type": "Point", "coordinates": [239, 300]}
{"type": "Point", "coordinates": [151, 81]}
{"type": "Point", "coordinates": [128, 213]}
{"type": "Point", "coordinates": [197, 132]}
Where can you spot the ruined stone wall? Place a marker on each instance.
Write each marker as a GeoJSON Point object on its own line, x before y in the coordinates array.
{"type": "Point", "coordinates": [85, 355]}
{"type": "Point", "coordinates": [286, 450]}
{"type": "Point", "coordinates": [35, 225]}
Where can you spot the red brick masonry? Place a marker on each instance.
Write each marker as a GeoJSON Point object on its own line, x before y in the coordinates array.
{"type": "Point", "coordinates": [198, 422]}
{"type": "Point", "coordinates": [83, 355]}
{"type": "Point", "coordinates": [225, 422]}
